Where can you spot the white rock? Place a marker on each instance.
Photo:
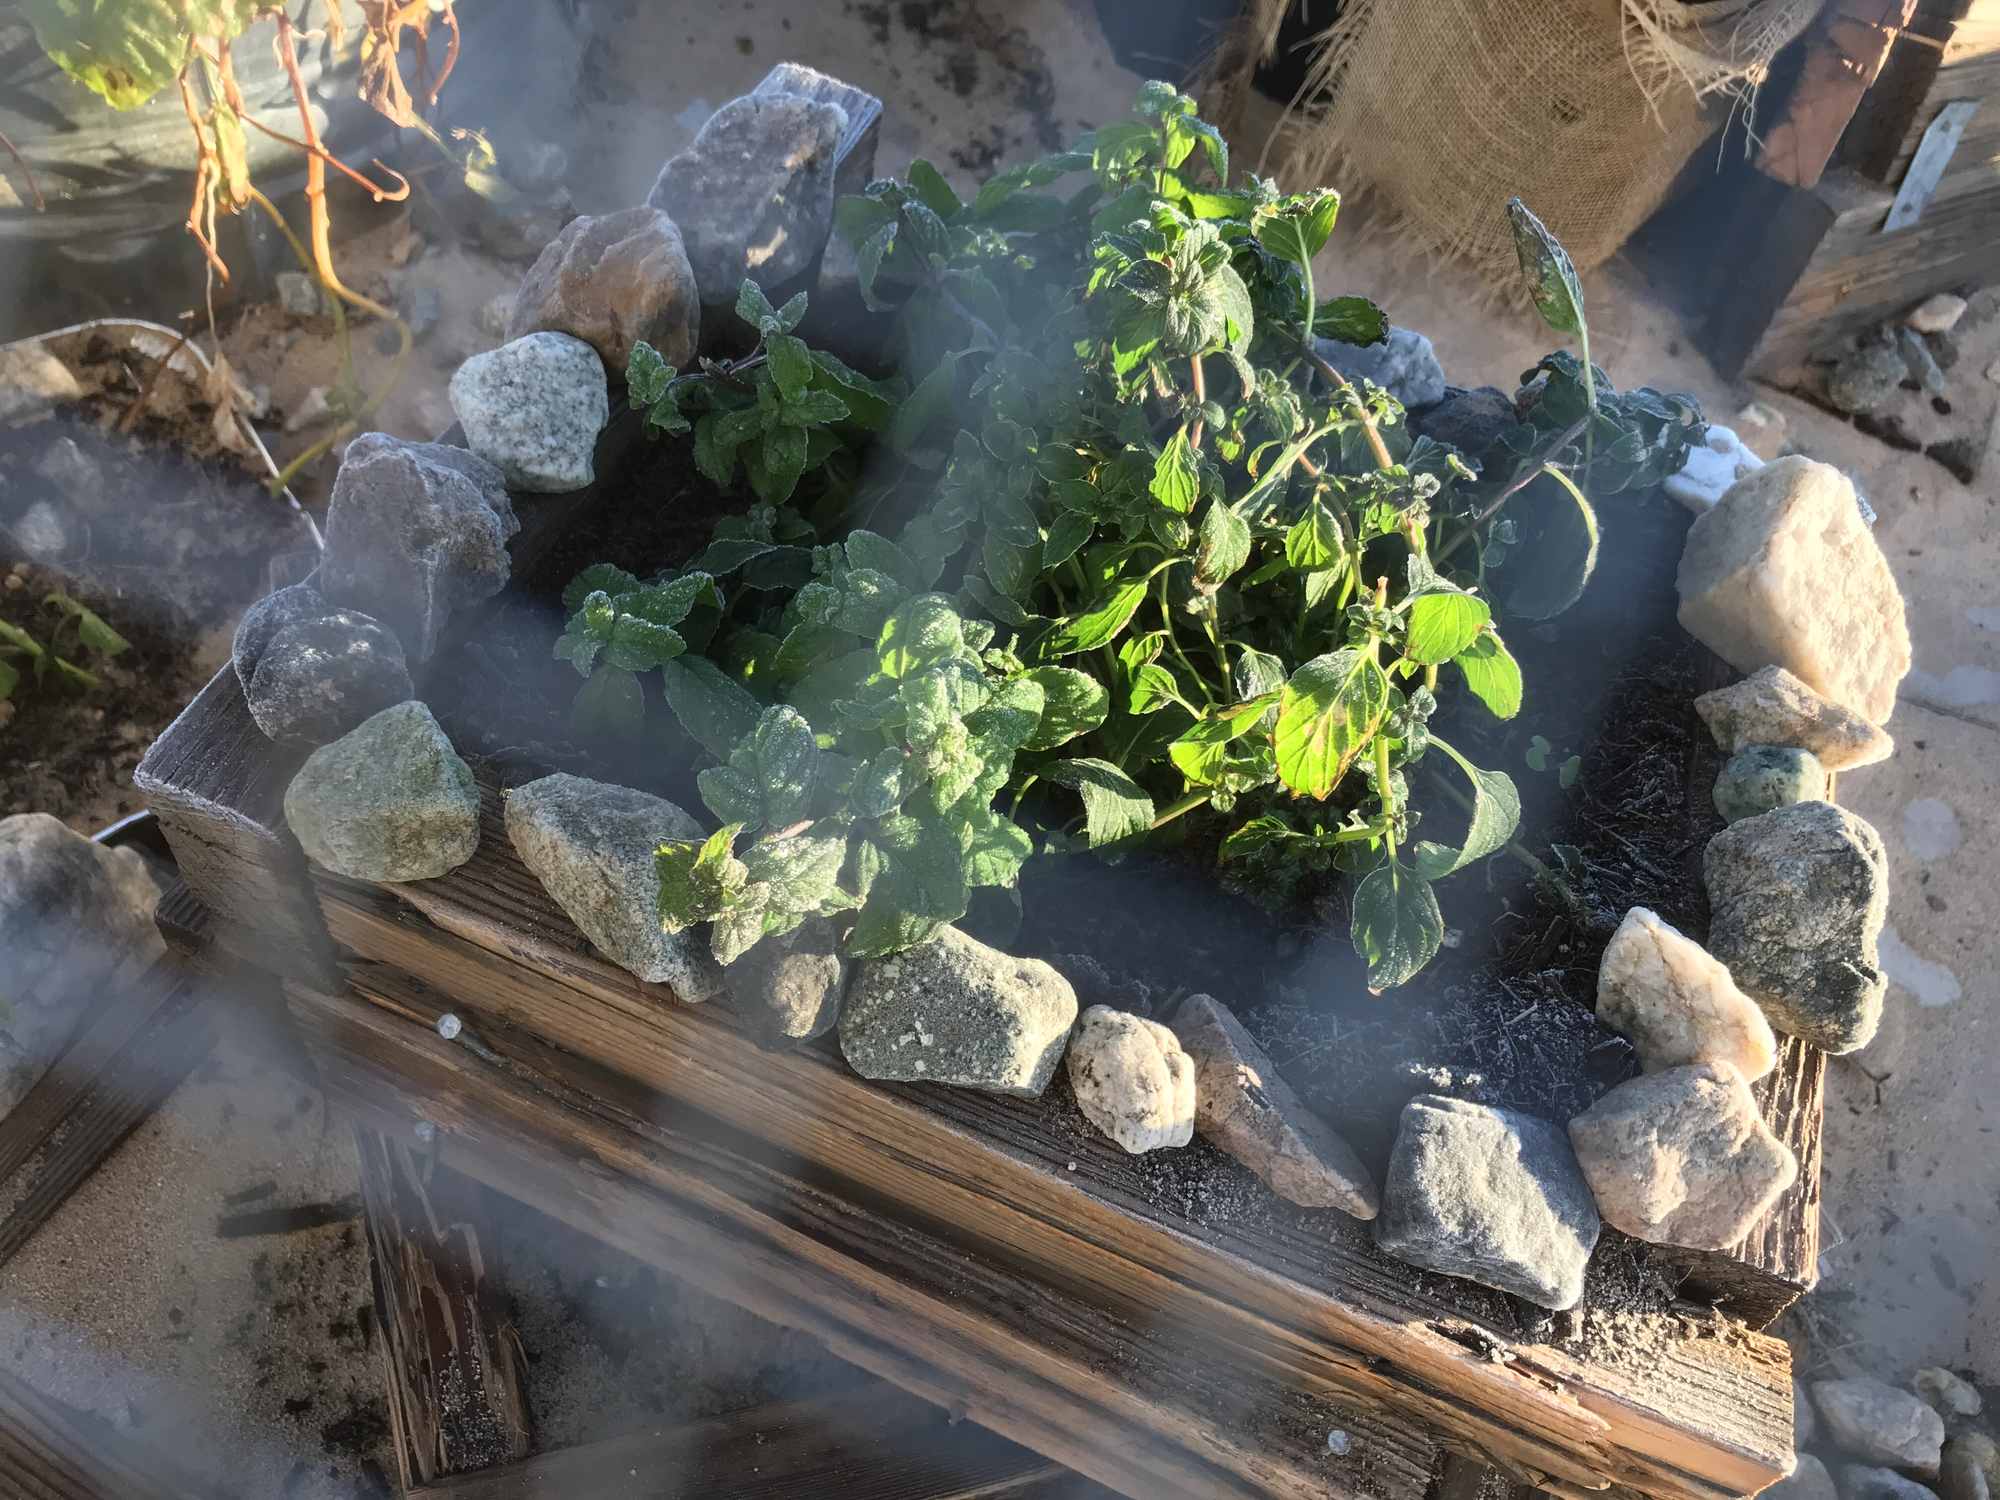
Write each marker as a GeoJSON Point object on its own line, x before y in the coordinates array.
{"type": "Point", "coordinates": [1784, 572]}
{"type": "Point", "coordinates": [1937, 313]}
{"type": "Point", "coordinates": [1711, 469]}
{"type": "Point", "coordinates": [32, 380]}
{"type": "Point", "coordinates": [1131, 1079]}
{"type": "Point", "coordinates": [1947, 1393]}
{"type": "Point", "coordinates": [1772, 707]}
{"type": "Point", "coordinates": [1677, 1003]}
{"type": "Point", "coordinates": [533, 408]}
{"type": "Point", "coordinates": [1879, 1423]}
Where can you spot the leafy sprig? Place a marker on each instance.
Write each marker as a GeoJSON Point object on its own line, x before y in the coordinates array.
{"type": "Point", "coordinates": [93, 637]}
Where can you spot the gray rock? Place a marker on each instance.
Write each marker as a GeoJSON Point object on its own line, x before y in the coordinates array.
{"type": "Point", "coordinates": [74, 473]}
{"type": "Point", "coordinates": [952, 1010]}
{"type": "Point", "coordinates": [1798, 898]}
{"type": "Point", "coordinates": [33, 382]}
{"type": "Point", "coordinates": [1919, 361]}
{"type": "Point", "coordinates": [1947, 1393]}
{"type": "Point", "coordinates": [1971, 1468]}
{"type": "Point", "coordinates": [1865, 379]}
{"type": "Point", "coordinates": [421, 309]}
{"type": "Point", "coordinates": [753, 195]}
{"type": "Point", "coordinates": [1876, 1421]}
{"type": "Point", "coordinates": [1865, 1482]}
{"type": "Point", "coordinates": [533, 408]}
{"type": "Point", "coordinates": [1809, 1481]}
{"type": "Point", "coordinates": [788, 987]}
{"type": "Point", "coordinates": [1404, 365]}
{"type": "Point", "coordinates": [1470, 421]}
{"type": "Point", "coordinates": [613, 281]}
{"type": "Point", "coordinates": [317, 679]}
{"type": "Point", "coordinates": [1491, 1195]}
{"type": "Point", "coordinates": [1682, 1157]}
{"type": "Point", "coordinates": [591, 845]}
{"type": "Point", "coordinates": [1758, 778]}
{"type": "Point", "coordinates": [300, 294]}
{"type": "Point", "coordinates": [389, 800]}
{"type": "Point", "coordinates": [415, 531]}
{"type": "Point", "coordinates": [74, 915]}
{"type": "Point", "coordinates": [1244, 1108]}
{"type": "Point", "coordinates": [41, 533]}
{"type": "Point", "coordinates": [1131, 1080]}
{"type": "Point", "coordinates": [269, 615]}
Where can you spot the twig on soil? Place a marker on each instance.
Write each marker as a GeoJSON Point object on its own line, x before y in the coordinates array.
{"type": "Point", "coordinates": [34, 187]}
{"type": "Point", "coordinates": [131, 413]}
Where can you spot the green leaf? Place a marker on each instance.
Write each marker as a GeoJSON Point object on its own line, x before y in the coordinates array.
{"type": "Point", "coordinates": [787, 759]}
{"type": "Point", "coordinates": [995, 849]}
{"type": "Point", "coordinates": [752, 306]}
{"type": "Point", "coordinates": [1496, 813]}
{"type": "Point", "coordinates": [600, 578]}
{"type": "Point", "coordinates": [1396, 924]}
{"type": "Point", "coordinates": [715, 449]}
{"type": "Point", "coordinates": [1443, 624]}
{"type": "Point", "coordinates": [791, 365]}
{"type": "Point", "coordinates": [778, 463]}
{"type": "Point", "coordinates": [869, 404]}
{"type": "Point", "coordinates": [1176, 481]}
{"type": "Point", "coordinates": [1259, 833]}
{"type": "Point", "coordinates": [1222, 546]}
{"type": "Point", "coordinates": [1296, 229]}
{"type": "Point", "coordinates": [1114, 805]}
{"type": "Point", "coordinates": [932, 190]}
{"type": "Point", "coordinates": [1012, 714]}
{"type": "Point", "coordinates": [1492, 674]}
{"type": "Point", "coordinates": [868, 549]}
{"type": "Point", "coordinates": [1351, 320]}
{"type": "Point", "coordinates": [1066, 534]}
{"type": "Point", "coordinates": [15, 636]}
{"type": "Point", "coordinates": [10, 678]}
{"type": "Point", "coordinates": [647, 376]}
{"type": "Point", "coordinates": [802, 870]}
{"type": "Point", "coordinates": [1552, 278]}
{"type": "Point", "coordinates": [712, 707]}
{"type": "Point", "coordinates": [1099, 624]}
{"type": "Point", "coordinates": [1153, 688]}
{"type": "Point", "coordinates": [921, 633]}
{"type": "Point", "coordinates": [1314, 540]}
{"type": "Point", "coordinates": [1552, 575]}
{"type": "Point", "coordinates": [1232, 297]}
{"type": "Point", "coordinates": [698, 877]}
{"type": "Point", "coordinates": [128, 50]}
{"type": "Point", "coordinates": [610, 705]}
{"type": "Point", "coordinates": [1073, 703]}
{"type": "Point", "coordinates": [1331, 709]}
{"type": "Point", "coordinates": [927, 405]}
{"type": "Point", "coordinates": [639, 645]}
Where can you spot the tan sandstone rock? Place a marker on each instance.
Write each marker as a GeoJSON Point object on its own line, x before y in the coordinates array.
{"type": "Point", "coordinates": [1772, 707]}
{"type": "Point", "coordinates": [1783, 572]}
{"type": "Point", "coordinates": [1677, 1003]}
{"type": "Point", "coordinates": [1682, 1157]}
{"type": "Point", "coordinates": [1132, 1080]}
{"type": "Point", "coordinates": [611, 281]}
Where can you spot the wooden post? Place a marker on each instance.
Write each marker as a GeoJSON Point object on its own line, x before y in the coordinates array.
{"type": "Point", "coordinates": [457, 1386]}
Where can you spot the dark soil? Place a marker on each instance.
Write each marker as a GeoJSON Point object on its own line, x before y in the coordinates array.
{"type": "Point", "coordinates": [167, 548]}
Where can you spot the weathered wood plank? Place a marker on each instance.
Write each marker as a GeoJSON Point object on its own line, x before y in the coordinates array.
{"type": "Point", "coordinates": [455, 1371]}
{"type": "Point", "coordinates": [873, 1442]}
{"type": "Point", "coordinates": [1129, 1403]}
{"type": "Point", "coordinates": [1302, 1297]}
{"type": "Point", "coordinates": [1844, 53]}
{"type": "Point", "coordinates": [51, 1451]}
{"type": "Point", "coordinates": [132, 1054]}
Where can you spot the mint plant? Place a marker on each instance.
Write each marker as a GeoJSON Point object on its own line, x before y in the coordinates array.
{"type": "Point", "coordinates": [1138, 563]}
{"type": "Point", "coordinates": [92, 635]}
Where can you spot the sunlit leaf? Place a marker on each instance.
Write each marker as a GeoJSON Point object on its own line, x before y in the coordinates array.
{"type": "Point", "coordinates": [1396, 924]}
{"type": "Point", "coordinates": [1332, 707]}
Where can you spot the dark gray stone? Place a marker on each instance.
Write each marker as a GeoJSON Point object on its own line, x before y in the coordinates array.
{"type": "Point", "coordinates": [300, 294]}
{"type": "Point", "coordinates": [1866, 378]}
{"type": "Point", "coordinates": [753, 195]}
{"type": "Point", "coordinates": [952, 1010]}
{"type": "Point", "coordinates": [1798, 898]}
{"type": "Point", "coordinates": [1403, 364]}
{"type": "Point", "coordinates": [1489, 1194]}
{"type": "Point", "coordinates": [1880, 1423]}
{"type": "Point", "coordinates": [534, 407]}
{"type": "Point", "coordinates": [1919, 361]}
{"type": "Point", "coordinates": [389, 800]}
{"type": "Point", "coordinates": [1867, 1482]}
{"type": "Point", "coordinates": [591, 845]}
{"type": "Point", "coordinates": [264, 619]}
{"type": "Point", "coordinates": [1759, 778]}
{"type": "Point", "coordinates": [1470, 421]}
{"type": "Point", "coordinates": [415, 531]}
{"type": "Point", "coordinates": [788, 987]}
{"type": "Point", "coordinates": [316, 679]}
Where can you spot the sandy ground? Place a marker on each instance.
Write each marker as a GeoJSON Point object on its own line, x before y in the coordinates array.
{"type": "Point", "coordinates": [129, 1304]}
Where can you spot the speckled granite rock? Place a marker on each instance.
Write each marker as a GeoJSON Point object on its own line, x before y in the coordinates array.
{"type": "Point", "coordinates": [1758, 778]}
{"type": "Point", "coordinates": [952, 1010]}
{"type": "Point", "coordinates": [1131, 1080]}
{"type": "Point", "coordinates": [533, 409]}
{"type": "Point", "coordinates": [788, 987]}
{"type": "Point", "coordinates": [591, 845]}
{"type": "Point", "coordinates": [74, 914]}
{"type": "Point", "coordinates": [1772, 707]}
{"type": "Point", "coordinates": [612, 281]}
{"type": "Point", "coordinates": [390, 800]}
{"type": "Point", "coordinates": [1676, 1003]}
{"type": "Point", "coordinates": [268, 616]}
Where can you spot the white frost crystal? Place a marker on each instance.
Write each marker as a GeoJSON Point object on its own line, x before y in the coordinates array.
{"type": "Point", "coordinates": [1677, 1003]}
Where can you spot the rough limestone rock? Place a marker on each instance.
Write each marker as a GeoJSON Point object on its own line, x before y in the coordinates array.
{"type": "Point", "coordinates": [415, 531]}
{"type": "Point", "coordinates": [591, 845]}
{"type": "Point", "coordinates": [264, 619]}
{"type": "Point", "coordinates": [74, 915]}
{"type": "Point", "coordinates": [1880, 1424]}
{"type": "Point", "coordinates": [1809, 1481]}
{"type": "Point", "coordinates": [1676, 1003]}
{"type": "Point", "coordinates": [1489, 1194]}
{"type": "Point", "coordinates": [1783, 572]}
{"type": "Point", "coordinates": [1403, 364]}
{"type": "Point", "coordinates": [1772, 707]}
{"type": "Point", "coordinates": [753, 194]}
{"type": "Point", "coordinates": [1682, 1157]}
{"type": "Point", "coordinates": [1244, 1108]}
{"type": "Point", "coordinates": [1937, 313]}
{"type": "Point", "coordinates": [1798, 898]}
{"type": "Point", "coordinates": [788, 987]}
{"type": "Point", "coordinates": [1758, 778]}
{"type": "Point", "coordinates": [533, 408]}
{"type": "Point", "coordinates": [1947, 1394]}
{"type": "Point", "coordinates": [1131, 1079]}
{"type": "Point", "coordinates": [316, 679]}
{"type": "Point", "coordinates": [952, 1010]}
{"type": "Point", "coordinates": [1866, 1482]}
{"type": "Point", "coordinates": [1971, 1468]}
{"type": "Point", "coordinates": [612, 281]}
{"type": "Point", "coordinates": [389, 800]}
{"type": "Point", "coordinates": [1470, 421]}
{"type": "Point", "coordinates": [32, 382]}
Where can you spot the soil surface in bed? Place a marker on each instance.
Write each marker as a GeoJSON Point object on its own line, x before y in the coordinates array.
{"type": "Point", "coordinates": [1503, 1015]}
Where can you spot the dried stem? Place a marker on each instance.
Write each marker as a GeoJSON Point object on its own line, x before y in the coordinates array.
{"type": "Point", "coordinates": [1334, 377]}
{"type": "Point", "coordinates": [34, 187]}
{"type": "Point", "coordinates": [131, 413]}
{"type": "Point", "coordinates": [1200, 383]}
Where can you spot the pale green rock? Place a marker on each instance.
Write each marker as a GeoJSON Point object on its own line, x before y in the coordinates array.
{"type": "Point", "coordinates": [389, 800]}
{"type": "Point", "coordinates": [1758, 778]}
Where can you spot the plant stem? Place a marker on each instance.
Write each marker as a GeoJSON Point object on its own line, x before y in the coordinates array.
{"type": "Point", "coordinates": [1167, 619]}
{"type": "Point", "coordinates": [1340, 381]}
{"type": "Point", "coordinates": [1529, 473]}
{"type": "Point", "coordinates": [1200, 384]}
{"type": "Point", "coordinates": [1386, 796]}
{"type": "Point", "coordinates": [1186, 804]}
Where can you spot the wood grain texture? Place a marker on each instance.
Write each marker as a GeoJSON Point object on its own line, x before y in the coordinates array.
{"type": "Point", "coordinates": [1844, 54]}
{"type": "Point", "coordinates": [453, 1363]}
{"type": "Point", "coordinates": [51, 1451]}
{"type": "Point", "coordinates": [874, 1442]}
{"type": "Point", "coordinates": [1128, 1403]}
{"type": "Point", "coordinates": [1297, 1296]}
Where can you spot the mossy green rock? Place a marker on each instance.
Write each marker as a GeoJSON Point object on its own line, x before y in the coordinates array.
{"type": "Point", "coordinates": [1758, 778]}
{"type": "Point", "coordinates": [389, 800]}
